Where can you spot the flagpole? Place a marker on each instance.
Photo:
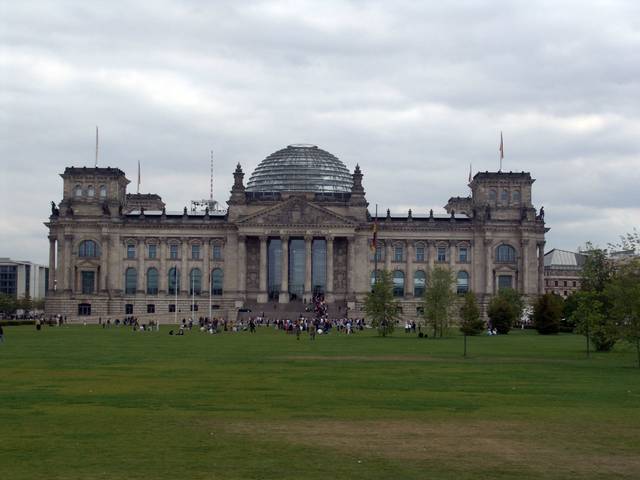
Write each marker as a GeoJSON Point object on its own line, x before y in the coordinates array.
{"type": "Point", "coordinates": [210, 287]}
{"type": "Point", "coordinates": [375, 248]}
{"type": "Point", "coordinates": [138, 191]}
{"type": "Point", "coordinates": [501, 151]}
{"type": "Point", "coordinates": [96, 165]}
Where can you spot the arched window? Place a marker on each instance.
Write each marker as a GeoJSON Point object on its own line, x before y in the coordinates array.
{"type": "Point", "coordinates": [78, 191]}
{"type": "Point", "coordinates": [419, 283]}
{"type": "Point", "coordinates": [90, 191]}
{"type": "Point", "coordinates": [174, 280]}
{"type": "Point", "coordinates": [506, 254]}
{"type": "Point", "coordinates": [398, 284]}
{"type": "Point", "coordinates": [195, 282]}
{"type": "Point", "coordinates": [130, 281]}
{"type": "Point", "coordinates": [88, 248]}
{"type": "Point", "coordinates": [504, 196]}
{"type": "Point", "coordinates": [152, 281]}
{"type": "Point", "coordinates": [515, 196]}
{"type": "Point", "coordinates": [492, 195]}
{"type": "Point", "coordinates": [103, 191]}
{"type": "Point", "coordinates": [216, 281]}
{"type": "Point", "coordinates": [463, 282]}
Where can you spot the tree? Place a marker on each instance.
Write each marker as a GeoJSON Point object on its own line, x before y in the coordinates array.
{"type": "Point", "coordinates": [470, 321]}
{"type": "Point", "coordinates": [380, 305]}
{"type": "Point", "coordinates": [628, 241]}
{"type": "Point", "coordinates": [567, 323]}
{"type": "Point", "coordinates": [504, 309]}
{"type": "Point", "coordinates": [547, 313]}
{"type": "Point", "coordinates": [597, 272]}
{"type": "Point", "coordinates": [438, 299]}
{"type": "Point", "coordinates": [590, 320]}
{"type": "Point", "coordinates": [8, 304]}
{"type": "Point", "coordinates": [624, 293]}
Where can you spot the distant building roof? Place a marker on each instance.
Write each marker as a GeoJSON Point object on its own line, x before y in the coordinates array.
{"type": "Point", "coordinates": [115, 172]}
{"type": "Point", "coordinates": [557, 258]}
{"type": "Point", "coordinates": [502, 175]}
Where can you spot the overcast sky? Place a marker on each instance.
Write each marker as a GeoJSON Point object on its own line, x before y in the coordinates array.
{"type": "Point", "coordinates": [413, 91]}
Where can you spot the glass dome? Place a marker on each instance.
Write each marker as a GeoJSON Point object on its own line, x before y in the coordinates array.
{"type": "Point", "coordinates": [301, 168]}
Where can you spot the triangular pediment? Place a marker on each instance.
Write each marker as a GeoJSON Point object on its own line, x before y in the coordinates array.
{"type": "Point", "coordinates": [296, 211]}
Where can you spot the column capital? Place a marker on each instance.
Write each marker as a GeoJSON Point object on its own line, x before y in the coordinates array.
{"type": "Point", "coordinates": [284, 238]}
{"type": "Point", "coordinates": [52, 238]}
{"type": "Point", "coordinates": [242, 237]}
{"type": "Point", "coordinates": [68, 236]}
{"type": "Point", "coordinates": [263, 238]}
{"type": "Point", "coordinates": [308, 238]}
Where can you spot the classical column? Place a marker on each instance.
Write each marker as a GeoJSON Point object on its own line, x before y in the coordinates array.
{"type": "Point", "coordinates": [329, 288]}
{"type": "Point", "coordinates": [408, 287]}
{"type": "Point", "coordinates": [206, 266]}
{"type": "Point", "coordinates": [263, 295]}
{"type": "Point", "coordinates": [184, 277]}
{"type": "Point", "coordinates": [431, 247]}
{"type": "Point", "coordinates": [104, 264]}
{"type": "Point", "coordinates": [68, 265]}
{"type": "Point", "coordinates": [52, 262]}
{"type": "Point", "coordinates": [60, 266]}
{"type": "Point", "coordinates": [452, 254]}
{"type": "Point", "coordinates": [284, 280]}
{"type": "Point", "coordinates": [488, 266]}
{"type": "Point", "coordinates": [242, 266]}
{"type": "Point", "coordinates": [540, 268]}
{"type": "Point", "coordinates": [142, 285]}
{"type": "Point", "coordinates": [387, 254]}
{"type": "Point", "coordinates": [162, 287]}
{"type": "Point", "coordinates": [308, 242]}
{"type": "Point", "coordinates": [524, 267]}
{"type": "Point", "coordinates": [351, 262]}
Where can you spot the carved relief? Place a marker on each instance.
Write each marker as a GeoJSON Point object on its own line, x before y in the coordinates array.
{"type": "Point", "coordinates": [297, 212]}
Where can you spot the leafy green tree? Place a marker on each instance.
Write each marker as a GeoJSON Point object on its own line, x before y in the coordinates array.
{"type": "Point", "coordinates": [567, 323]}
{"type": "Point", "coordinates": [380, 305]}
{"type": "Point", "coordinates": [470, 321]}
{"type": "Point", "coordinates": [597, 272]}
{"type": "Point", "coordinates": [592, 322]}
{"type": "Point", "coordinates": [438, 299]}
{"type": "Point", "coordinates": [547, 313]}
{"type": "Point", "coordinates": [624, 293]}
{"type": "Point", "coordinates": [628, 241]}
{"type": "Point", "coordinates": [8, 303]}
{"type": "Point", "coordinates": [501, 314]}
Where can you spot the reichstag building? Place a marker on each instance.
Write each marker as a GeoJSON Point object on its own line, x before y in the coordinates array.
{"type": "Point", "coordinates": [301, 226]}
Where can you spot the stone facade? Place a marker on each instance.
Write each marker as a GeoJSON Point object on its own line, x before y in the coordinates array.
{"type": "Point", "coordinates": [108, 260]}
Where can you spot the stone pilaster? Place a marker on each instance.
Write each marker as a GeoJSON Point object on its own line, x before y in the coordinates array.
{"type": "Point", "coordinates": [242, 265]}
{"type": "Point", "coordinates": [104, 264]}
{"type": "Point", "coordinates": [488, 266]}
{"type": "Point", "coordinates": [142, 284]}
{"type": "Point", "coordinates": [52, 262]}
{"type": "Point", "coordinates": [163, 273]}
{"type": "Point", "coordinates": [351, 271]}
{"type": "Point", "coordinates": [388, 252]}
{"type": "Point", "coordinates": [69, 283]}
{"type": "Point", "coordinates": [540, 268]}
{"type": "Point", "coordinates": [184, 274]}
{"type": "Point", "coordinates": [408, 287]}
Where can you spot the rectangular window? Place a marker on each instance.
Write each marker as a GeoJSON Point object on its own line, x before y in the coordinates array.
{"type": "Point", "coordinates": [555, 283]}
{"type": "Point", "coordinates": [574, 283]}
{"type": "Point", "coordinates": [151, 308]}
{"type": "Point", "coordinates": [419, 254]}
{"type": "Point", "coordinates": [173, 251]}
{"type": "Point", "coordinates": [88, 282]}
{"type": "Point", "coordinates": [193, 308]}
{"type": "Point", "coordinates": [84, 309]}
{"type": "Point", "coordinates": [442, 254]}
{"type": "Point", "coordinates": [378, 254]}
{"type": "Point", "coordinates": [217, 252]}
{"type": "Point", "coordinates": [172, 307]}
{"type": "Point", "coordinates": [195, 252]}
{"type": "Point", "coordinates": [131, 250]}
{"type": "Point", "coordinates": [397, 254]}
{"type": "Point", "coordinates": [565, 283]}
{"type": "Point", "coordinates": [153, 251]}
{"type": "Point", "coordinates": [505, 281]}
{"type": "Point", "coordinates": [128, 309]}
{"type": "Point", "coordinates": [463, 254]}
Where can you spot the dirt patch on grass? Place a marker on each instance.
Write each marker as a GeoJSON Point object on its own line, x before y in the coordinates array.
{"type": "Point", "coordinates": [359, 358]}
{"type": "Point", "coordinates": [544, 450]}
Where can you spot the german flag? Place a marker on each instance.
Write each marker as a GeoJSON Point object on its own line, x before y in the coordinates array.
{"type": "Point", "coordinates": [374, 241]}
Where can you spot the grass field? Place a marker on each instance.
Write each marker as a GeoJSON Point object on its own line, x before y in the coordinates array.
{"type": "Point", "coordinates": [91, 403]}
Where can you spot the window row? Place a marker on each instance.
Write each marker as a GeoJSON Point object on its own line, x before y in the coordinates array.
{"type": "Point", "coordinates": [90, 191]}
{"type": "Point", "coordinates": [420, 282]}
{"type": "Point", "coordinates": [505, 196]}
{"type": "Point", "coordinates": [174, 251]}
{"type": "Point", "coordinates": [420, 253]}
{"type": "Point", "coordinates": [173, 278]}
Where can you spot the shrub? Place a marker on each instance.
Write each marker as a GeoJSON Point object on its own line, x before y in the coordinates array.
{"type": "Point", "coordinates": [501, 314]}
{"type": "Point", "coordinates": [547, 313]}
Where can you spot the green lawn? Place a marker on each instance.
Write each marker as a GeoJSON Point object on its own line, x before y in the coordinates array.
{"type": "Point", "coordinates": [92, 403]}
